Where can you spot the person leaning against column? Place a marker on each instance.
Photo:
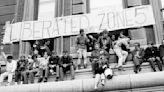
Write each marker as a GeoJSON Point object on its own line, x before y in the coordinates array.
{"type": "Point", "coordinates": [161, 51]}
{"type": "Point", "coordinates": [138, 54]}
{"type": "Point", "coordinates": [10, 70]}
{"type": "Point", "coordinates": [81, 42]}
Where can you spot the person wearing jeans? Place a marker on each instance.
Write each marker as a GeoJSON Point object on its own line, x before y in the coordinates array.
{"type": "Point", "coordinates": [21, 68]}
{"type": "Point", "coordinates": [32, 69]}
{"type": "Point", "coordinates": [161, 51]}
{"type": "Point", "coordinates": [66, 63]}
{"type": "Point", "coordinates": [122, 55]}
{"type": "Point", "coordinates": [53, 64]}
{"type": "Point", "coordinates": [152, 56]}
{"type": "Point", "coordinates": [10, 70]}
{"type": "Point", "coordinates": [96, 55]}
{"type": "Point", "coordinates": [43, 68]}
{"type": "Point", "coordinates": [138, 54]}
{"type": "Point", "coordinates": [82, 48]}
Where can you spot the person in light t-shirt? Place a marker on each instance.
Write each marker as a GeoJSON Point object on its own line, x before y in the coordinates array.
{"type": "Point", "coordinates": [43, 67]}
{"type": "Point", "coordinates": [10, 70]}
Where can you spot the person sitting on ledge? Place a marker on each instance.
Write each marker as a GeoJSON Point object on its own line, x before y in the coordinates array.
{"type": "Point", "coordinates": [101, 66]}
{"type": "Point", "coordinates": [152, 56]}
{"type": "Point", "coordinates": [20, 71]}
{"type": "Point", "coordinates": [95, 55]}
{"type": "Point", "coordinates": [10, 70]}
{"type": "Point", "coordinates": [138, 54]}
{"type": "Point", "coordinates": [161, 51]}
{"type": "Point", "coordinates": [122, 54]}
{"type": "Point", "coordinates": [43, 68]}
{"type": "Point", "coordinates": [32, 69]}
{"type": "Point", "coordinates": [54, 64]}
{"type": "Point", "coordinates": [66, 63]}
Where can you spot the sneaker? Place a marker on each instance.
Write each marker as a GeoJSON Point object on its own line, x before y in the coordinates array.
{"type": "Point", "coordinates": [94, 76]}
{"type": "Point", "coordinates": [40, 80]}
{"type": "Point", "coordinates": [72, 78]}
{"type": "Point", "coordinates": [96, 87]}
{"type": "Point", "coordinates": [21, 82]}
{"type": "Point", "coordinates": [45, 79]}
{"type": "Point", "coordinates": [85, 66]}
{"type": "Point", "coordinates": [16, 83]}
{"type": "Point", "coordinates": [57, 79]}
{"type": "Point", "coordinates": [135, 72]}
{"type": "Point", "coordinates": [140, 69]}
{"type": "Point", "coordinates": [103, 83]}
{"type": "Point", "coordinates": [8, 84]}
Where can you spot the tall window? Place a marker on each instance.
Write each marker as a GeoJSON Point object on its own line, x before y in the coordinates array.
{"type": "Point", "coordinates": [162, 1]}
{"type": "Point", "coordinates": [101, 5]}
{"type": "Point", "coordinates": [46, 9]}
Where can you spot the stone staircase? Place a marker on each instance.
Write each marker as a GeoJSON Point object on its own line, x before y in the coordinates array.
{"type": "Point", "coordinates": [87, 73]}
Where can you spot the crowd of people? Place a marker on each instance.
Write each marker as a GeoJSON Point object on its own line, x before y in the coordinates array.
{"type": "Point", "coordinates": [44, 62]}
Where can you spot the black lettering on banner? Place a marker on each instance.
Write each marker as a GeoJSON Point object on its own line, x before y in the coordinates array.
{"type": "Point", "coordinates": [65, 24]}
{"type": "Point", "coordinates": [11, 33]}
{"type": "Point", "coordinates": [55, 27]}
{"type": "Point", "coordinates": [111, 20]}
{"type": "Point", "coordinates": [27, 29]}
{"type": "Point", "coordinates": [37, 30]}
{"type": "Point", "coordinates": [140, 15]}
{"type": "Point", "coordinates": [84, 21]}
{"type": "Point", "coordinates": [102, 20]}
{"type": "Point", "coordinates": [120, 19]}
{"type": "Point", "coordinates": [129, 20]}
{"type": "Point", "coordinates": [75, 24]}
{"type": "Point", "coordinates": [46, 28]}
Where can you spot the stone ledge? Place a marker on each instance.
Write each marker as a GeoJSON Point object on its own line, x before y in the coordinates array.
{"type": "Point", "coordinates": [121, 82]}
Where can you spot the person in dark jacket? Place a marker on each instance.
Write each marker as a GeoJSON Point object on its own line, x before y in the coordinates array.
{"type": "Point", "coordinates": [105, 41]}
{"type": "Point", "coordinates": [161, 51]}
{"type": "Point", "coordinates": [66, 63]}
{"type": "Point", "coordinates": [21, 68]}
{"type": "Point", "coordinates": [152, 56]}
{"type": "Point", "coordinates": [96, 55]}
{"type": "Point", "coordinates": [138, 54]}
{"type": "Point", "coordinates": [54, 64]}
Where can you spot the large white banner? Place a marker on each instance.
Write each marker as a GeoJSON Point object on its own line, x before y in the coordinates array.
{"type": "Point", "coordinates": [70, 25]}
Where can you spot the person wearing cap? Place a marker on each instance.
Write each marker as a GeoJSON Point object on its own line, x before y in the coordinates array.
{"type": "Point", "coordinates": [10, 70]}
{"type": "Point", "coordinates": [105, 41]}
{"type": "Point", "coordinates": [152, 56]}
{"type": "Point", "coordinates": [21, 68]}
{"type": "Point", "coordinates": [81, 42]}
{"type": "Point", "coordinates": [53, 64]}
{"type": "Point", "coordinates": [137, 54]}
{"type": "Point", "coordinates": [66, 64]}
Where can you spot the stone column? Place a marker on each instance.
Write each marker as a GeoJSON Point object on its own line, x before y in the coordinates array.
{"type": "Point", "coordinates": [158, 27]}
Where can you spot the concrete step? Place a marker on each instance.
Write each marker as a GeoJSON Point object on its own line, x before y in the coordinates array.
{"type": "Point", "coordinates": [87, 73]}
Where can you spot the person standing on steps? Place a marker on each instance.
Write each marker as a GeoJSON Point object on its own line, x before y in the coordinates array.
{"type": "Point", "coordinates": [81, 42]}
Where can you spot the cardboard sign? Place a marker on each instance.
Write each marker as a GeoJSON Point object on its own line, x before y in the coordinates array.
{"type": "Point", "coordinates": [70, 25]}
